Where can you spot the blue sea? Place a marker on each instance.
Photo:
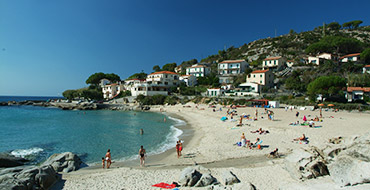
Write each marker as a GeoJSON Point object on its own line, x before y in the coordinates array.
{"type": "Point", "coordinates": [38, 132]}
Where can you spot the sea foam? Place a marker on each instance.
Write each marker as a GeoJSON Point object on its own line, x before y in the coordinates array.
{"type": "Point", "coordinates": [26, 152]}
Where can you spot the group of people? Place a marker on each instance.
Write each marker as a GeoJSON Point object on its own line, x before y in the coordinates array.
{"type": "Point", "coordinates": [246, 143]}
{"type": "Point", "coordinates": [108, 158]}
{"type": "Point", "coordinates": [179, 148]}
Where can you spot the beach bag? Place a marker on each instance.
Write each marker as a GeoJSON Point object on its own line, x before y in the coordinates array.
{"type": "Point", "coordinates": [259, 146]}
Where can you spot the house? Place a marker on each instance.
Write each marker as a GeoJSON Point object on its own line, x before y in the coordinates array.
{"type": "Point", "coordinates": [366, 69]}
{"type": "Point", "coordinates": [229, 68]}
{"type": "Point", "coordinates": [189, 80]}
{"type": "Point", "coordinates": [261, 77]}
{"type": "Point", "coordinates": [215, 92]}
{"type": "Point", "coordinates": [111, 90]}
{"type": "Point", "coordinates": [178, 69]}
{"type": "Point", "coordinates": [355, 57]}
{"type": "Point", "coordinates": [273, 62]}
{"type": "Point", "coordinates": [198, 70]}
{"type": "Point", "coordinates": [155, 83]}
{"type": "Point", "coordinates": [320, 58]}
{"type": "Point", "coordinates": [290, 63]}
{"type": "Point", "coordinates": [356, 93]}
{"type": "Point", "coordinates": [245, 89]}
{"type": "Point", "coordinates": [104, 82]}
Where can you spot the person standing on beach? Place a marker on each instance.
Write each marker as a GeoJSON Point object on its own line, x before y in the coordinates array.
{"type": "Point", "coordinates": [178, 149]}
{"type": "Point", "coordinates": [142, 156]}
{"type": "Point", "coordinates": [297, 114]}
{"type": "Point", "coordinates": [256, 114]}
{"type": "Point", "coordinates": [108, 158]}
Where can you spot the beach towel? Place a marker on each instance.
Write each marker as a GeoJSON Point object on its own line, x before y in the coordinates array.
{"type": "Point", "coordinates": [223, 118]}
{"type": "Point", "coordinates": [164, 185]}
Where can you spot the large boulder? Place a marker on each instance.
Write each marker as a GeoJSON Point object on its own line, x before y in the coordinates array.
{"type": "Point", "coordinates": [352, 165]}
{"type": "Point", "coordinates": [64, 162]}
{"type": "Point", "coordinates": [25, 178]}
{"type": "Point", "coordinates": [7, 160]}
{"type": "Point", "coordinates": [205, 180]}
{"type": "Point", "coordinates": [304, 164]}
{"type": "Point", "coordinates": [189, 177]}
{"type": "Point", "coordinates": [229, 178]}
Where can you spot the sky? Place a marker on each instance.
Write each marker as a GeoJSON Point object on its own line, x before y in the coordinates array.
{"type": "Point", "coordinates": [47, 47]}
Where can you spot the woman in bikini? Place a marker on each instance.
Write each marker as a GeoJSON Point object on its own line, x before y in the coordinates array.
{"type": "Point", "coordinates": [142, 156]}
{"type": "Point", "coordinates": [108, 158]}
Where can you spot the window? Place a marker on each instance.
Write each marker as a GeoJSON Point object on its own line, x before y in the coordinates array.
{"type": "Point", "coordinates": [261, 76]}
{"type": "Point", "coordinates": [254, 76]}
{"type": "Point", "coordinates": [275, 62]}
{"type": "Point", "coordinates": [260, 82]}
{"type": "Point", "coordinates": [166, 76]}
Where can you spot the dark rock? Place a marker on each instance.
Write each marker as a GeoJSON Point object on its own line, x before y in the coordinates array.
{"type": "Point", "coordinates": [46, 177]}
{"type": "Point", "coordinates": [205, 180]}
{"type": "Point", "coordinates": [189, 177]}
{"type": "Point", "coordinates": [3, 103]}
{"type": "Point", "coordinates": [7, 160]}
{"type": "Point", "coordinates": [229, 178]}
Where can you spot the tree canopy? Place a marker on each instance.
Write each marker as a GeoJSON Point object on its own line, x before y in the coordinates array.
{"type": "Point", "coordinates": [365, 56]}
{"type": "Point", "coordinates": [352, 24]}
{"type": "Point", "coordinates": [92, 94]}
{"type": "Point", "coordinates": [334, 26]}
{"type": "Point", "coordinates": [141, 75]}
{"type": "Point", "coordinates": [169, 67]}
{"type": "Point", "coordinates": [95, 78]}
{"type": "Point", "coordinates": [326, 86]}
{"type": "Point", "coordinates": [337, 44]}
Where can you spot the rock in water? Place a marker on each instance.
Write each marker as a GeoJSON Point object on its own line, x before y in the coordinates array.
{"type": "Point", "coordinates": [189, 177]}
{"type": "Point", "coordinates": [64, 162]}
{"type": "Point", "coordinates": [229, 178]}
{"type": "Point", "coordinates": [7, 160]}
{"type": "Point", "coordinates": [352, 165]}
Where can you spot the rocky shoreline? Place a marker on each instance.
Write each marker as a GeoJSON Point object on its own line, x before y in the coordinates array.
{"type": "Point", "coordinates": [77, 106]}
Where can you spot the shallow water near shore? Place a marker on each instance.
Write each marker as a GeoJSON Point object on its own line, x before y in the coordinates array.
{"type": "Point", "coordinates": [38, 132]}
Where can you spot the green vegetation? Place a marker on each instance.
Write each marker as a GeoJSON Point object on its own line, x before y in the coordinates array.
{"type": "Point", "coordinates": [353, 24]}
{"type": "Point", "coordinates": [157, 100]}
{"type": "Point", "coordinates": [365, 56]}
{"type": "Point", "coordinates": [95, 78]}
{"type": "Point", "coordinates": [335, 44]}
{"type": "Point", "coordinates": [141, 75]}
{"type": "Point", "coordinates": [89, 94]}
{"type": "Point", "coordinates": [326, 86]}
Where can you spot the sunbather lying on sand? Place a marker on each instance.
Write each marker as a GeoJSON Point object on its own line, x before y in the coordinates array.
{"type": "Point", "coordinates": [302, 138]}
{"type": "Point", "coordinates": [260, 131]}
{"type": "Point", "coordinates": [274, 153]}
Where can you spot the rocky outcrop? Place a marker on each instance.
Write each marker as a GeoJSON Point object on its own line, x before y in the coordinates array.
{"type": "Point", "coordinates": [305, 164]}
{"type": "Point", "coordinates": [229, 178]}
{"type": "Point", "coordinates": [78, 106]}
{"type": "Point", "coordinates": [205, 180]}
{"type": "Point", "coordinates": [189, 177]}
{"type": "Point", "coordinates": [7, 160]}
{"type": "Point", "coordinates": [64, 162]}
{"type": "Point", "coordinates": [352, 165]}
{"type": "Point", "coordinates": [27, 178]}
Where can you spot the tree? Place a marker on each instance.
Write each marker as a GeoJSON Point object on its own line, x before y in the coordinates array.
{"type": "Point", "coordinates": [156, 68]}
{"type": "Point", "coordinates": [169, 67]}
{"type": "Point", "coordinates": [141, 75]}
{"type": "Point", "coordinates": [336, 44]}
{"type": "Point", "coordinates": [334, 26]}
{"type": "Point", "coordinates": [365, 56]}
{"type": "Point", "coordinates": [326, 86]}
{"type": "Point", "coordinates": [291, 31]}
{"type": "Point", "coordinates": [70, 94]}
{"type": "Point", "coordinates": [359, 80]}
{"type": "Point", "coordinates": [347, 25]}
{"type": "Point", "coordinates": [356, 23]}
{"type": "Point", "coordinates": [113, 77]}
{"type": "Point", "coordinates": [95, 78]}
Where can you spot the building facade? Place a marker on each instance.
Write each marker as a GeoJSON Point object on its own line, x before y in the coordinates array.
{"type": "Point", "coordinates": [356, 93]}
{"type": "Point", "coordinates": [198, 70]}
{"type": "Point", "coordinates": [273, 62]}
{"type": "Point", "coordinates": [261, 77]}
{"type": "Point", "coordinates": [230, 68]}
{"type": "Point", "coordinates": [355, 57]}
{"type": "Point", "coordinates": [189, 80]}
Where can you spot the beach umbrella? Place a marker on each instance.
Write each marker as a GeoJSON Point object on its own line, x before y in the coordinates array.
{"type": "Point", "coordinates": [330, 104]}
{"type": "Point", "coordinates": [321, 105]}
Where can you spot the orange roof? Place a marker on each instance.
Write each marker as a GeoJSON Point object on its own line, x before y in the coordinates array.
{"type": "Point", "coordinates": [350, 55]}
{"type": "Point", "coordinates": [272, 58]}
{"type": "Point", "coordinates": [260, 71]}
{"type": "Point", "coordinates": [233, 61]}
{"type": "Point", "coordinates": [365, 89]}
{"type": "Point", "coordinates": [367, 65]}
{"type": "Point", "coordinates": [164, 72]}
{"type": "Point", "coordinates": [290, 61]}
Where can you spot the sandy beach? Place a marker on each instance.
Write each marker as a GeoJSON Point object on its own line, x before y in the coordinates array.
{"type": "Point", "coordinates": [210, 142]}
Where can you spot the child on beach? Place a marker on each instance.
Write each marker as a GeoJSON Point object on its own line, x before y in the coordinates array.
{"type": "Point", "coordinates": [103, 162]}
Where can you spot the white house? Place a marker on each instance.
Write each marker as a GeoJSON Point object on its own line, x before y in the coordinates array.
{"type": "Point", "coordinates": [350, 57]}
{"type": "Point", "coordinates": [366, 69]}
{"type": "Point", "coordinates": [321, 57]}
{"type": "Point", "coordinates": [163, 78]}
{"type": "Point", "coordinates": [198, 70]}
{"type": "Point", "coordinates": [290, 63]}
{"type": "Point", "coordinates": [189, 80]}
{"type": "Point", "coordinates": [273, 62]}
{"type": "Point", "coordinates": [104, 82]}
{"type": "Point", "coordinates": [245, 89]}
{"type": "Point", "coordinates": [261, 77]}
{"type": "Point", "coordinates": [356, 93]}
{"type": "Point", "coordinates": [111, 90]}
{"type": "Point", "coordinates": [215, 92]}
{"type": "Point", "coordinates": [229, 68]}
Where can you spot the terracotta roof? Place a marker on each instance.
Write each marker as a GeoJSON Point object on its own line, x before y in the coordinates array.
{"type": "Point", "coordinates": [367, 65]}
{"type": "Point", "coordinates": [350, 55]}
{"type": "Point", "coordinates": [351, 89]}
{"type": "Point", "coordinates": [164, 72]}
{"type": "Point", "coordinates": [272, 58]}
{"type": "Point", "coordinates": [233, 61]}
{"type": "Point", "coordinates": [290, 61]}
{"type": "Point", "coordinates": [260, 71]}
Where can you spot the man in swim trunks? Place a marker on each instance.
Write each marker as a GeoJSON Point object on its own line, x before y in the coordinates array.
{"type": "Point", "coordinates": [178, 149]}
{"type": "Point", "coordinates": [142, 156]}
{"type": "Point", "coordinates": [108, 158]}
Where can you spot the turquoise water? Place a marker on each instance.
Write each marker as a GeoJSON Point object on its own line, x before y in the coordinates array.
{"type": "Point", "coordinates": [38, 132]}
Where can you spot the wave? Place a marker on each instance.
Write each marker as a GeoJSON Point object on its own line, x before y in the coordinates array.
{"type": "Point", "coordinates": [26, 152]}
